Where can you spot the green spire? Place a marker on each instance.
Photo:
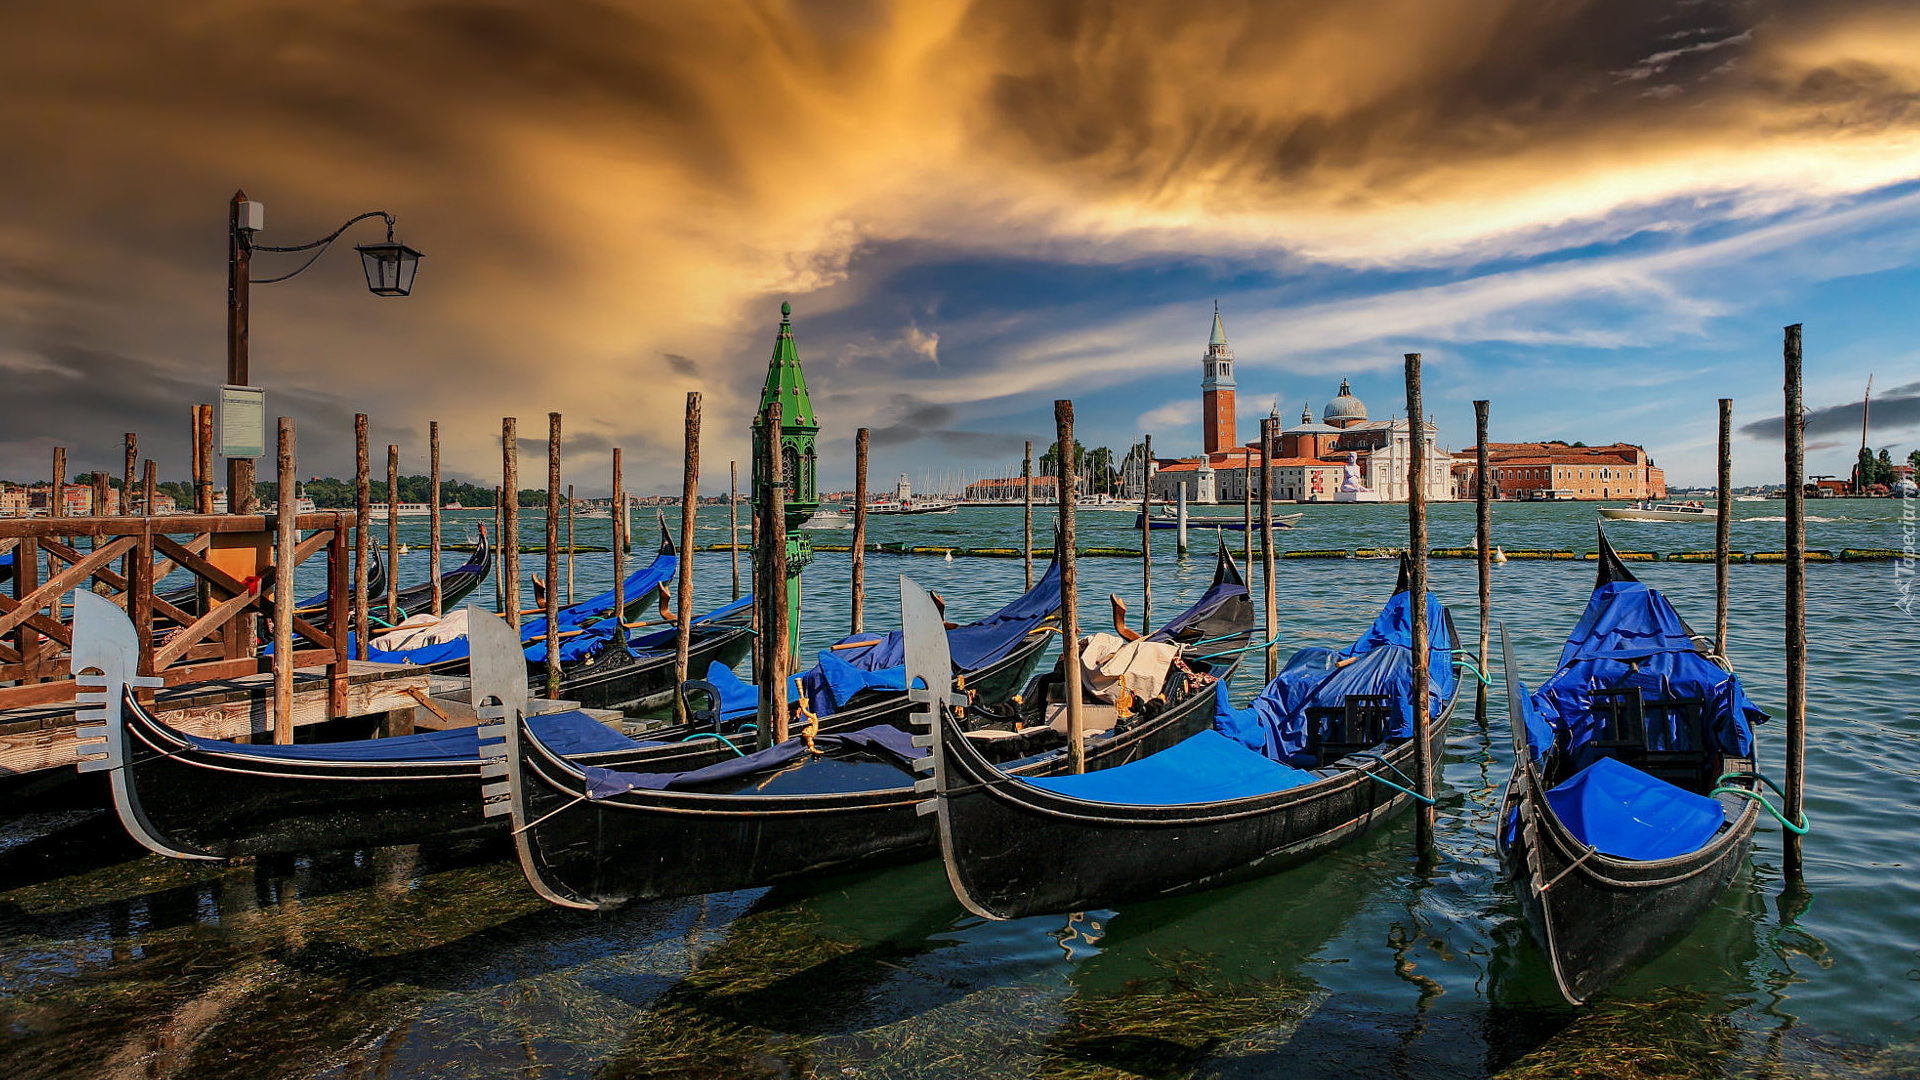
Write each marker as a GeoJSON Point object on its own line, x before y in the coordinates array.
{"type": "Point", "coordinates": [785, 380]}
{"type": "Point", "coordinates": [1219, 330]}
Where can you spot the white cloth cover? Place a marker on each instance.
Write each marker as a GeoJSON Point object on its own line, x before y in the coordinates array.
{"type": "Point", "coordinates": [423, 630]}
{"type": "Point", "coordinates": [1113, 669]}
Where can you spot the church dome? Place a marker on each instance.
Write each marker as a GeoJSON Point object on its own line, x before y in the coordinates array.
{"type": "Point", "coordinates": [1344, 407]}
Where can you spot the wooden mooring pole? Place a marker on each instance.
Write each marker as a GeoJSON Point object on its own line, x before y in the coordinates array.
{"type": "Point", "coordinates": [770, 589]}
{"type": "Point", "coordinates": [1796, 606]}
{"type": "Point", "coordinates": [1483, 551]}
{"type": "Point", "coordinates": [57, 498]}
{"type": "Point", "coordinates": [689, 512]}
{"type": "Point", "coordinates": [150, 486]}
{"type": "Point", "coordinates": [362, 533]}
{"type": "Point", "coordinates": [858, 601]}
{"type": "Point", "coordinates": [1246, 509]}
{"type": "Point", "coordinates": [286, 534]}
{"type": "Point", "coordinates": [552, 605]}
{"type": "Point", "coordinates": [1146, 534]}
{"type": "Point", "coordinates": [1417, 603]}
{"type": "Point", "coordinates": [1723, 530]}
{"type": "Point", "coordinates": [394, 615]}
{"type": "Point", "coordinates": [1268, 584]}
{"type": "Point", "coordinates": [733, 522]}
{"type": "Point", "coordinates": [126, 480]}
{"type": "Point", "coordinates": [433, 514]}
{"type": "Point", "coordinates": [203, 448]}
{"type": "Point", "coordinates": [1069, 590]}
{"type": "Point", "coordinates": [1026, 526]}
{"type": "Point", "coordinates": [571, 515]}
{"type": "Point", "coordinates": [619, 551]}
{"type": "Point", "coordinates": [510, 518]}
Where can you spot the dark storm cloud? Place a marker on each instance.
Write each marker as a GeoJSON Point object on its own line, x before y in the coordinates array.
{"type": "Point", "coordinates": [914, 420]}
{"type": "Point", "coordinates": [599, 182]}
{"type": "Point", "coordinates": [1896, 410]}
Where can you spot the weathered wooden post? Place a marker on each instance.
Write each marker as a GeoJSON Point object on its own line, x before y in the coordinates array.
{"type": "Point", "coordinates": [1026, 528]}
{"type": "Point", "coordinates": [770, 585]}
{"type": "Point", "coordinates": [859, 598]}
{"type": "Point", "coordinates": [689, 511]}
{"type": "Point", "coordinates": [553, 555]}
{"type": "Point", "coordinates": [1146, 534]}
{"type": "Point", "coordinates": [433, 512]}
{"type": "Point", "coordinates": [150, 486]}
{"type": "Point", "coordinates": [57, 498]}
{"type": "Point", "coordinates": [1246, 507]}
{"type": "Point", "coordinates": [1069, 590]}
{"type": "Point", "coordinates": [571, 515]}
{"type": "Point", "coordinates": [733, 521]}
{"type": "Point", "coordinates": [619, 553]}
{"type": "Point", "coordinates": [126, 480]}
{"type": "Point", "coordinates": [499, 564]}
{"type": "Point", "coordinates": [1269, 584]}
{"type": "Point", "coordinates": [1417, 603]}
{"type": "Point", "coordinates": [203, 444]}
{"type": "Point", "coordinates": [510, 518]}
{"type": "Point", "coordinates": [362, 534]}
{"type": "Point", "coordinates": [286, 534]}
{"type": "Point", "coordinates": [394, 615]}
{"type": "Point", "coordinates": [1483, 550]}
{"type": "Point", "coordinates": [1723, 530]}
{"type": "Point", "coordinates": [1796, 606]}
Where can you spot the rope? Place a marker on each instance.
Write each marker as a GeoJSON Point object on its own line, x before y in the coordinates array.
{"type": "Point", "coordinates": [713, 735]}
{"type": "Point", "coordinates": [1423, 800]}
{"type": "Point", "coordinates": [1798, 830]}
{"type": "Point", "coordinates": [1472, 665]}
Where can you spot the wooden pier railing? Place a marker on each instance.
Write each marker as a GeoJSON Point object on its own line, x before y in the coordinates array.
{"type": "Point", "coordinates": [227, 558]}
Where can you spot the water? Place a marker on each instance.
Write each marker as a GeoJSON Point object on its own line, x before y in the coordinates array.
{"type": "Point", "coordinates": [439, 962]}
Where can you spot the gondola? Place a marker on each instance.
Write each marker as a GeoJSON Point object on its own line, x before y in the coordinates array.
{"type": "Point", "coordinates": [1323, 755]}
{"type": "Point", "coordinates": [596, 838]}
{"type": "Point", "coordinates": [455, 584]}
{"type": "Point", "coordinates": [191, 797]}
{"type": "Point", "coordinates": [1632, 802]}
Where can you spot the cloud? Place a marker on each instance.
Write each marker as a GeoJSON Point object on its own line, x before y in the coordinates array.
{"type": "Point", "coordinates": [605, 188]}
{"type": "Point", "coordinates": [1896, 410]}
{"type": "Point", "coordinates": [1178, 413]}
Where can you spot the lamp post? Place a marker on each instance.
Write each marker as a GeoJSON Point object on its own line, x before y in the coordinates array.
{"type": "Point", "coordinates": [389, 267]}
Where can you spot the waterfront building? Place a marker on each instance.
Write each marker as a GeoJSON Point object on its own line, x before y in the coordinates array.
{"type": "Point", "coordinates": [1216, 392]}
{"type": "Point", "coordinates": [1554, 470]}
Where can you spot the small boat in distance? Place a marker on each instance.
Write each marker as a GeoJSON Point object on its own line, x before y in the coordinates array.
{"type": "Point", "coordinates": [900, 507]}
{"type": "Point", "coordinates": [825, 518]}
{"type": "Point", "coordinates": [405, 509]}
{"type": "Point", "coordinates": [1652, 511]}
{"type": "Point", "coordinates": [1280, 521]}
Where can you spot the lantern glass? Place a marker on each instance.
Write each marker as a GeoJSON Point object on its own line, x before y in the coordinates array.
{"type": "Point", "coordinates": [390, 268]}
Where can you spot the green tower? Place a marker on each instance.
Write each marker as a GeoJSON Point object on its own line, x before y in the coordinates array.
{"type": "Point", "coordinates": [787, 384]}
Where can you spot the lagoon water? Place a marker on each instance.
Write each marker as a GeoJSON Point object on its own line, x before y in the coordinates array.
{"type": "Point", "coordinates": [439, 962]}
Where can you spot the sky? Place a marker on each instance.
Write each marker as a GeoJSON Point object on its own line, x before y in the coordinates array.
{"type": "Point", "coordinates": [1597, 215]}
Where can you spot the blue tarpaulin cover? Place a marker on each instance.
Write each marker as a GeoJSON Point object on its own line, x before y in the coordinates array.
{"type": "Point", "coordinates": [569, 733]}
{"type": "Point", "coordinates": [889, 742]}
{"type": "Point", "coordinates": [1539, 733]}
{"type": "Point", "coordinates": [1630, 636]}
{"type": "Point", "coordinates": [841, 673]}
{"type": "Point", "coordinates": [1625, 813]}
{"type": "Point", "coordinates": [1207, 767]}
{"type": "Point", "coordinates": [1275, 722]}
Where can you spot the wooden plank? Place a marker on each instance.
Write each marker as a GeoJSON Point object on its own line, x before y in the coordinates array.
{"type": "Point", "coordinates": [53, 746]}
{"type": "Point", "coordinates": [50, 593]}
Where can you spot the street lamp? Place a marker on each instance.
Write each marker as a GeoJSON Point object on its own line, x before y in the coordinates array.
{"type": "Point", "coordinates": [390, 268]}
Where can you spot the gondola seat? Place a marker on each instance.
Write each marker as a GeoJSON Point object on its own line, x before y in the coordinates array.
{"type": "Point", "coordinates": [1664, 737]}
{"type": "Point", "coordinates": [1629, 814]}
{"type": "Point", "coordinates": [1358, 724]}
{"type": "Point", "coordinates": [1207, 767]}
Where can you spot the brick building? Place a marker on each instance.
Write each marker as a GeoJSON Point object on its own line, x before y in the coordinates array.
{"type": "Point", "coordinates": [1558, 471]}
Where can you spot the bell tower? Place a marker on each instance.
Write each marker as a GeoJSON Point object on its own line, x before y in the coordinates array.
{"type": "Point", "coordinates": [1216, 387]}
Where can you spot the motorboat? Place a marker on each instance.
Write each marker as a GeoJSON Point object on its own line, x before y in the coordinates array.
{"type": "Point", "coordinates": [1652, 511]}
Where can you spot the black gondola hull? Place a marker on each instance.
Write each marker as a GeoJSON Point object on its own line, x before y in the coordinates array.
{"type": "Point", "coordinates": [644, 845]}
{"type": "Point", "coordinates": [995, 833]}
{"type": "Point", "coordinates": [1599, 918]}
{"type": "Point", "coordinates": [619, 679]}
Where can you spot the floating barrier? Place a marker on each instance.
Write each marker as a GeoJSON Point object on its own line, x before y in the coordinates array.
{"type": "Point", "coordinates": [1870, 554]}
{"type": "Point", "coordinates": [1551, 554]}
